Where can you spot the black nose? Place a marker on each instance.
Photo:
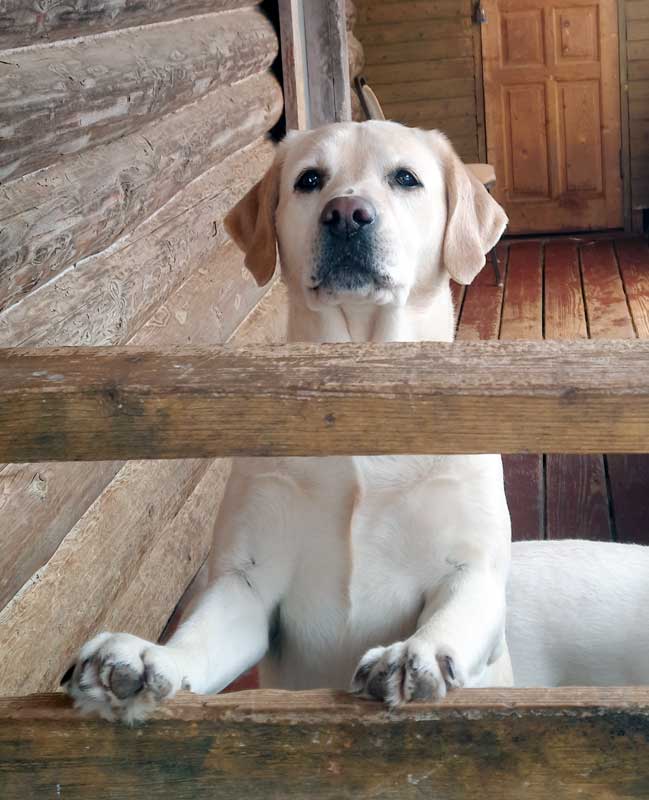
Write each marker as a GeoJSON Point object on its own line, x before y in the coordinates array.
{"type": "Point", "coordinates": [345, 216]}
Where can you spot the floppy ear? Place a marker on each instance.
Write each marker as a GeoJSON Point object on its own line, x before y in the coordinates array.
{"type": "Point", "coordinates": [251, 223]}
{"type": "Point", "coordinates": [474, 224]}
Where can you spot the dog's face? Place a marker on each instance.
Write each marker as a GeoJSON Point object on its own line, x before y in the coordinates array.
{"type": "Point", "coordinates": [366, 213]}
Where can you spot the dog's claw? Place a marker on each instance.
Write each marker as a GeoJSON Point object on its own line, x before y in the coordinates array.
{"type": "Point", "coordinates": [405, 671]}
{"type": "Point", "coordinates": [120, 676]}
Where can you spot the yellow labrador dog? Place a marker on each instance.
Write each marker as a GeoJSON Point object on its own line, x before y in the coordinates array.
{"type": "Point", "coordinates": [384, 573]}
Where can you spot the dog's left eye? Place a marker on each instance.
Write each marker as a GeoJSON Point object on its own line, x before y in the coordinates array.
{"type": "Point", "coordinates": [309, 181]}
{"type": "Point", "coordinates": [406, 179]}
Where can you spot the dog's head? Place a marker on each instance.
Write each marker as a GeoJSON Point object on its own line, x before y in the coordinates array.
{"type": "Point", "coordinates": [366, 212]}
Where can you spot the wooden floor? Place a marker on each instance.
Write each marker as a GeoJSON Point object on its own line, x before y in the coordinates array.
{"type": "Point", "coordinates": [568, 288]}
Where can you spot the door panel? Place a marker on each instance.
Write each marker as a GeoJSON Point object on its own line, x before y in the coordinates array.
{"type": "Point", "coordinates": [580, 137]}
{"type": "Point", "coordinates": [526, 141]}
{"type": "Point", "coordinates": [553, 112]}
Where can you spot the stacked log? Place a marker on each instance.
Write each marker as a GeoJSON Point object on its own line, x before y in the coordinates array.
{"type": "Point", "coordinates": [120, 153]}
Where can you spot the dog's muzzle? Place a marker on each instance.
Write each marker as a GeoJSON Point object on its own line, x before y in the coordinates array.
{"type": "Point", "coordinates": [348, 253]}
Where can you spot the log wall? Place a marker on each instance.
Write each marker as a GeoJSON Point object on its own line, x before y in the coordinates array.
{"type": "Point", "coordinates": [127, 131]}
{"type": "Point", "coordinates": [637, 56]}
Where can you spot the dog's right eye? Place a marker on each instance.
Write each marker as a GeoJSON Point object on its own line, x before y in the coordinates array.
{"type": "Point", "coordinates": [309, 181]}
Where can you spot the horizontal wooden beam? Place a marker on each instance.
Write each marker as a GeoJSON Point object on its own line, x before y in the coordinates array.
{"type": "Point", "coordinates": [505, 744]}
{"type": "Point", "coordinates": [467, 397]}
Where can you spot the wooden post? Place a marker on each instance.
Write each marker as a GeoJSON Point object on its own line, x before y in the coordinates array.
{"type": "Point", "coordinates": [315, 62]}
{"type": "Point", "coordinates": [293, 64]}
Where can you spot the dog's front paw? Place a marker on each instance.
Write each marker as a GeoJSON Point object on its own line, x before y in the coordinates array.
{"type": "Point", "coordinates": [121, 677]}
{"type": "Point", "coordinates": [411, 670]}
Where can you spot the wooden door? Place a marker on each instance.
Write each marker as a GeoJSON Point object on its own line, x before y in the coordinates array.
{"type": "Point", "coordinates": [552, 101]}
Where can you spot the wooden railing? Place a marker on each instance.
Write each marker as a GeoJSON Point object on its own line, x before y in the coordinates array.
{"type": "Point", "coordinates": [124, 403]}
{"type": "Point", "coordinates": [74, 404]}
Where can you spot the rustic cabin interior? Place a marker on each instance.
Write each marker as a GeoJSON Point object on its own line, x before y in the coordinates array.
{"type": "Point", "coordinates": [128, 130]}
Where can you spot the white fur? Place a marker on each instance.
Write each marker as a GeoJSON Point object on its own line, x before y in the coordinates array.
{"type": "Point", "coordinates": [577, 613]}
{"type": "Point", "coordinates": [398, 564]}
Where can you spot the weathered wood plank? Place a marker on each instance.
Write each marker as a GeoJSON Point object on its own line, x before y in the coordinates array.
{"type": "Point", "coordinates": [606, 306]}
{"type": "Point", "coordinates": [356, 55]}
{"type": "Point", "coordinates": [373, 12]}
{"type": "Point", "coordinates": [636, 9]}
{"type": "Point", "coordinates": [327, 62]}
{"type": "Point", "coordinates": [640, 195]}
{"type": "Point", "coordinates": [638, 70]}
{"type": "Point", "coordinates": [207, 308]}
{"type": "Point", "coordinates": [293, 47]}
{"type": "Point", "coordinates": [506, 397]}
{"type": "Point", "coordinates": [39, 503]}
{"type": "Point", "coordinates": [80, 206]}
{"type": "Point", "coordinates": [73, 593]}
{"type": "Point", "coordinates": [154, 566]}
{"type": "Point", "coordinates": [458, 129]}
{"type": "Point", "coordinates": [637, 50]}
{"type": "Point", "coordinates": [458, 292]}
{"type": "Point", "coordinates": [441, 108]}
{"type": "Point", "coordinates": [466, 147]}
{"type": "Point", "coordinates": [25, 22]}
{"type": "Point", "coordinates": [64, 98]}
{"type": "Point", "coordinates": [638, 112]}
{"type": "Point", "coordinates": [522, 318]}
{"type": "Point", "coordinates": [391, 33]}
{"type": "Point", "coordinates": [483, 304]}
{"type": "Point", "coordinates": [108, 297]}
{"type": "Point", "coordinates": [423, 90]}
{"type": "Point", "coordinates": [525, 492]}
{"type": "Point", "coordinates": [629, 474]}
{"type": "Point", "coordinates": [406, 52]}
{"type": "Point", "coordinates": [639, 91]}
{"type": "Point", "coordinates": [575, 485]}
{"type": "Point", "coordinates": [476, 743]}
{"type": "Point", "coordinates": [633, 258]}
{"type": "Point", "coordinates": [564, 313]}
{"type": "Point", "coordinates": [637, 30]}
{"type": "Point", "coordinates": [393, 74]}
{"type": "Point", "coordinates": [629, 484]}
{"type": "Point", "coordinates": [577, 497]}
{"type": "Point", "coordinates": [164, 570]}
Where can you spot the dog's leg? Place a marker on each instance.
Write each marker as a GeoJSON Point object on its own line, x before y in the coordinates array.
{"type": "Point", "coordinates": [121, 676]}
{"type": "Point", "coordinates": [460, 633]}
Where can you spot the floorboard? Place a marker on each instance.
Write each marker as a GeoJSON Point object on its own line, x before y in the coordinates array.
{"type": "Point", "coordinates": [564, 312]}
{"type": "Point", "coordinates": [633, 258]}
{"type": "Point", "coordinates": [568, 288]}
{"type": "Point", "coordinates": [606, 305]}
{"type": "Point", "coordinates": [522, 315]}
{"type": "Point", "coordinates": [576, 496]}
{"type": "Point", "coordinates": [522, 318]}
{"type": "Point", "coordinates": [483, 302]}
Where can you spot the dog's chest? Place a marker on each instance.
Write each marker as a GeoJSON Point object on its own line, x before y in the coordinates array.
{"type": "Point", "coordinates": [372, 544]}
